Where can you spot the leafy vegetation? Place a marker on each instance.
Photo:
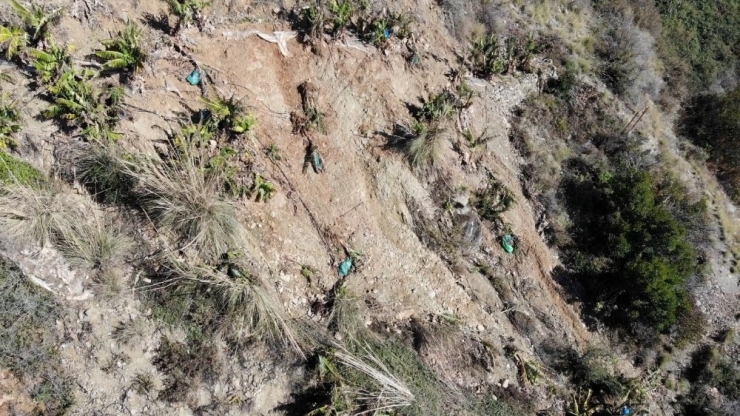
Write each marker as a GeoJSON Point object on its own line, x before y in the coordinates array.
{"type": "Point", "coordinates": [492, 55]}
{"type": "Point", "coordinates": [10, 122]}
{"type": "Point", "coordinates": [51, 63]}
{"type": "Point", "coordinates": [76, 103]}
{"type": "Point", "coordinates": [229, 114]}
{"type": "Point", "coordinates": [124, 52]}
{"type": "Point", "coordinates": [493, 200]}
{"type": "Point", "coordinates": [339, 17]}
{"type": "Point", "coordinates": [36, 20]}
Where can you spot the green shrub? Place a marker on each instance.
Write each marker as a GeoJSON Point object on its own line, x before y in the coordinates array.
{"type": "Point", "coordinates": [700, 39]}
{"type": "Point", "coordinates": [713, 123]}
{"type": "Point", "coordinates": [638, 259]}
{"type": "Point", "coordinates": [13, 170]}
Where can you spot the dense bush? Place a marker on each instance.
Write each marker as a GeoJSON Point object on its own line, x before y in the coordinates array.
{"type": "Point", "coordinates": [700, 39]}
{"type": "Point", "coordinates": [629, 251]}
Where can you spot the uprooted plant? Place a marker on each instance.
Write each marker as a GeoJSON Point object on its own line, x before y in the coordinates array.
{"type": "Point", "coordinates": [493, 200]}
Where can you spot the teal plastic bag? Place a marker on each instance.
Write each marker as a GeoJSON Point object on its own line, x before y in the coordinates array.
{"type": "Point", "coordinates": [345, 267]}
{"type": "Point", "coordinates": [194, 77]}
{"type": "Point", "coordinates": [507, 242]}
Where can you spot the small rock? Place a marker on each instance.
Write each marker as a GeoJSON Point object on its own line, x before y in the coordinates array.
{"type": "Point", "coordinates": [432, 294]}
{"type": "Point", "coordinates": [481, 328]}
{"type": "Point", "coordinates": [506, 383]}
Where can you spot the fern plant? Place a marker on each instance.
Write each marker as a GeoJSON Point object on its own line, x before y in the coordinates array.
{"type": "Point", "coordinates": [9, 122]}
{"type": "Point", "coordinates": [124, 52]}
{"type": "Point", "coordinates": [77, 104]}
{"type": "Point", "coordinates": [51, 63]}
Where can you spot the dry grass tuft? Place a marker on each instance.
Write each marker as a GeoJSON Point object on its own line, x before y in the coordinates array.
{"type": "Point", "coordinates": [33, 215]}
{"type": "Point", "coordinates": [185, 199]}
{"type": "Point", "coordinates": [391, 393]}
{"type": "Point", "coordinates": [99, 245]}
{"type": "Point", "coordinates": [244, 306]}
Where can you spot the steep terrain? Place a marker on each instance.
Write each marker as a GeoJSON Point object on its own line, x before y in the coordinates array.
{"type": "Point", "coordinates": [498, 317]}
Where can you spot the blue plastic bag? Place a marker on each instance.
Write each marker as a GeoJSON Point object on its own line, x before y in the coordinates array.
{"type": "Point", "coordinates": [194, 77]}
{"type": "Point", "coordinates": [345, 267]}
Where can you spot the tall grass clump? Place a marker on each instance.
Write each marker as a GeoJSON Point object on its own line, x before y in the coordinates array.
{"type": "Point", "coordinates": [181, 197]}
{"type": "Point", "coordinates": [33, 215]}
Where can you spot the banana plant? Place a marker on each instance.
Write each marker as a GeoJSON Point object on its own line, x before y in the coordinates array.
{"type": "Point", "coordinates": [230, 115]}
{"type": "Point", "coordinates": [77, 104]}
{"type": "Point", "coordinates": [124, 52]}
{"type": "Point", "coordinates": [51, 63]}
{"type": "Point", "coordinates": [36, 19]}
{"type": "Point", "coordinates": [15, 40]}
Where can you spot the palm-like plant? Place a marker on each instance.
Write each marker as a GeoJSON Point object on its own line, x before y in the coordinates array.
{"type": "Point", "coordinates": [77, 104]}
{"type": "Point", "coordinates": [186, 11]}
{"type": "Point", "coordinates": [124, 52]}
{"type": "Point", "coordinates": [9, 122]}
{"type": "Point", "coordinates": [51, 63]}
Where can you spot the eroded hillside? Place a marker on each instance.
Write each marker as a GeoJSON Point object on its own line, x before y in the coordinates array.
{"type": "Point", "coordinates": [303, 209]}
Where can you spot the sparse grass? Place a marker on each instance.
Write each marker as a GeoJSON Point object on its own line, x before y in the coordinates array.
{"type": "Point", "coordinates": [16, 171]}
{"type": "Point", "coordinates": [183, 199]}
{"type": "Point", "coordinates": [10, 122]}
{"type": "Point", "coordinates": [226, 299]}
{"type": "Point", "coordinates": [29, 340]}
{"type": "Point", "coordinates": [128, 331]}
{"type": "Point", "coordinates": [143, 384]}
{"type": "Point", "coordinates": [124, 52]}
